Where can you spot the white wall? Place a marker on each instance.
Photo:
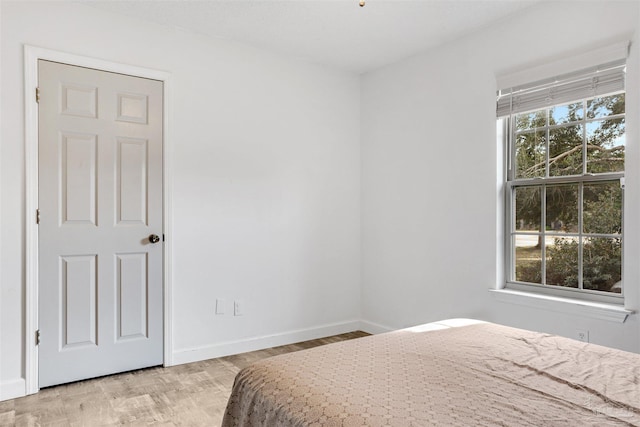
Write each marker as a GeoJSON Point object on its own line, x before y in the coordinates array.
{"type": "Point", "coordinates": [268, 185]}
{"type": "Point", "coordinates": [266, 188]}
{"type": "Point", "coordinates": [431, 239]}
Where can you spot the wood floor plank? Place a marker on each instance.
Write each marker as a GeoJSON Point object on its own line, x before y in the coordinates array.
{"type": "Point", "coordinates": [193, 394]}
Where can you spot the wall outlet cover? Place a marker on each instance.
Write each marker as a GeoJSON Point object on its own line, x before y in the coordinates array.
{"type": "Point", "coordinates": [220, 305]}
{"type": "Point", "coordinates": [582, 335]}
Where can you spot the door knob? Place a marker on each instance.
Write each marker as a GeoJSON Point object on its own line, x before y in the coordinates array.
{"type": "Point", "coordinates": [154, 238]}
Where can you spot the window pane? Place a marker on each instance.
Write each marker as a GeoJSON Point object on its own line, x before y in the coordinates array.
{"type": "Point", "coordinates": [567, 233]}
{"type": "Point", "coordinates": [605, 106]}
{"type": "Point", "coordinates": [602, 264]}
{"type": "Point", "coordinates": [562, 262]}
{"type": "Point", "coordinates": [532, 120]}
{"type": "Point", "coordinates": [528, 208]}
{"type": "Point", "coordinates": [528, 258]}
{"type": "Point", "coordinates": [602, 208]}
{"type": "Point", "coordinates": [562, 208]}
{"type": "Point", "coordinates": [566, 113]}
{"type": "Point", "coordinates": [530, 154]}
{"type": "Point", "coordinates": [565, 151]}
{"type": "Point", "coordinates": [605, 145]}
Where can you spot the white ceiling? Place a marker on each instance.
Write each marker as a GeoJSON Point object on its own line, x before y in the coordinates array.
{"type": "Point", "coordinates": [336, 33]}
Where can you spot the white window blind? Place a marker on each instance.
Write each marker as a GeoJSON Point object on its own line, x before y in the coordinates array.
{"type": "Point", "coordinates": [596, 81]}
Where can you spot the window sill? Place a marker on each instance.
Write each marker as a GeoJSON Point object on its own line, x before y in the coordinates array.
{"type": "Point", "coordinates": [597, 310]}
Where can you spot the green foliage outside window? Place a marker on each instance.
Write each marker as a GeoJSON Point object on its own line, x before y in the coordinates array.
{"type": "Point", "coordinates": [582, 235]}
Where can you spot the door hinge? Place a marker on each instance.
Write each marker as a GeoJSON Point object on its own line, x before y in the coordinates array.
{"type": "Point", "coordinates": [38, 95]}
{"type": "Point", "coordinates": [37, 216]}
{"type": "Point", "coordinates": [163, 237]}
{"type": "Point", "coordinates": [38, 337]}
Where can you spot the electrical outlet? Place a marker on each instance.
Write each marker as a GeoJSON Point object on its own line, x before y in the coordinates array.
{"type": "Point", "coordinates": [238, 307]}
{"type": "Point", "coordinates": [220, 304]}
{"type": "Point", "coordinates": [582, 335]}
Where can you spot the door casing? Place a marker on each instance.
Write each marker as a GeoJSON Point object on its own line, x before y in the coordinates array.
{"type": "Point", "coordinates": [31, 56]}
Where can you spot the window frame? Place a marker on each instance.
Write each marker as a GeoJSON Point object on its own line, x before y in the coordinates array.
{"type": "Point", "coordinates": [507, 124]}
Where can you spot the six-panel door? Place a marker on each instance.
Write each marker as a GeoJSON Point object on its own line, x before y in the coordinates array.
{"type": "Point", "coordinates": [100, 198]}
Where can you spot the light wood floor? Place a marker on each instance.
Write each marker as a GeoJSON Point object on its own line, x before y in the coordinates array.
{"type": "Point", "coordinates": [187, 395]}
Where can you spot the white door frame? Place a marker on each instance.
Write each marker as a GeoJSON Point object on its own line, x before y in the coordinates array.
{"type": "Point", "coordinates": [31, 56]}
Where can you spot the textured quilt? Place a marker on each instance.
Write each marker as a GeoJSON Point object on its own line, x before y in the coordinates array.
{"type": "Point", "coordinates": [478, 375]}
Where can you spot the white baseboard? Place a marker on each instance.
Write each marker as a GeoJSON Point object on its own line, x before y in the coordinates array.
{"type": "Point", "coordinates": [17, 388]}
{"type": "Point", "coordinates": [12, 389]}
{"type": "Point", "coordinates": [197, 354]}
{"type": "Point", "coordinates": [374, 328]}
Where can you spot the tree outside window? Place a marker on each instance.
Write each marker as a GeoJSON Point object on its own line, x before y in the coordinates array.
{"type": "Point", "coordinates": [566, 194]}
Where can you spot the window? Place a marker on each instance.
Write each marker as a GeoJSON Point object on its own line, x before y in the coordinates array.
{"type": "Point", "coordinates": [565, 149]}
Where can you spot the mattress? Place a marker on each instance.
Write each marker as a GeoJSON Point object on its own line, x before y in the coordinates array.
{"type": "Point", "coordinates": [452, 373]}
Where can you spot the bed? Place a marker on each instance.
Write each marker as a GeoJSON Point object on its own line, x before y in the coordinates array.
{"type": "Point", "coordinates": [450, 373]}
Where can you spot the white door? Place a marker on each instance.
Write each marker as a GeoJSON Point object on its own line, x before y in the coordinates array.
{"type": "Point", "coordinates": [100, 208]}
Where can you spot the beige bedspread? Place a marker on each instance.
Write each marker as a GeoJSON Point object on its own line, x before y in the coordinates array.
{"type": "Point", "coordinates": [479, 375]}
